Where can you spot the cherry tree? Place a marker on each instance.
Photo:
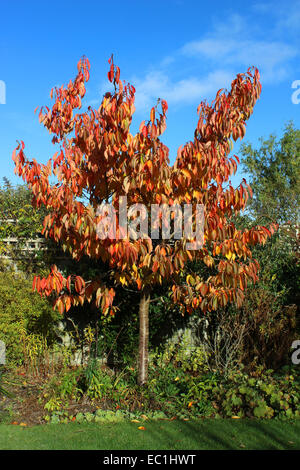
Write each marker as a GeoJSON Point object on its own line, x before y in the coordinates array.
{"type": "Point", "coordinates": [99, 162]}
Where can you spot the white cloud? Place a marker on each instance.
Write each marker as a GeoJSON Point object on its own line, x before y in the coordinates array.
{"type": "Point", "coordinates": [210, 48]}
{"type": "Point", "coordinates": [232, 45]}
{"type": "Point", "coordinates": [270, 57]}
{"type": "Point", "coordinates": [286, 14]}
{"type": "Point", "coordinates": [157, 84]}
{"type": "Point", "coordinates": [289, 17]}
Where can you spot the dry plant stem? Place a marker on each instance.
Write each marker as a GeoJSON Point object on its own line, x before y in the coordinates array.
{"type": "Point", "coordinates": [225, 344]}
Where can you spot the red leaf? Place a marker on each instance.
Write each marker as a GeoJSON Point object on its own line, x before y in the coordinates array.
{"type": "Point", "coordinates": [117, 78]}
{"type": "Point", "coordinates": [145, 131]}
{"type": "Point", "coordinates": [111, 73]}
{"type": "Point", "coordinates": [152, 115]}
{"type": "Point", "coordinates": [79, 284]}
{"type": "Point", "coordinates": [164, 105]}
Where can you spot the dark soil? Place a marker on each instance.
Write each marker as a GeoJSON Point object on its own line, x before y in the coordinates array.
{"type": "Point", "coordinates": [26, 403]}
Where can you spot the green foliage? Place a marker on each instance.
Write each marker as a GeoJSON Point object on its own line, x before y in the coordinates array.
{"type": "Point", "coordinates": [15, 203]}
{"type": "Point", "coordinates": [181, 352]}
{"type": "Point", "coordinates": [274, 171]}
{"type": "Point", "coordinates": [92, 381]}
{"type": "Point", "coordinates": [61, 388]}
{"type": "Point", "coordinates": [171, 392]}
{"type": "Point", "coordinates": [264, 395]}
{"type": "Point", "coordinates": [279, 266]}
{"type": "Point", "coordinates": [102, 416]}
{"type": "Point", "coordinates": [271, 305]}
{"type": "Point", "coordinates": [26, 320]}
{"type": "Point", "coordinates": [96, 383]}
{"type": "Point", "coordinates": [22, 221]}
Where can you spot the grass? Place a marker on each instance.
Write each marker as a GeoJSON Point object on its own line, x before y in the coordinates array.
{"type": "Point", "coordinates": [207, 434]}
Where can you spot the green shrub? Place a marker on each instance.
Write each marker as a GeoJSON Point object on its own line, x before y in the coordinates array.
{"type": "Point", "coordinates": [183, 353]}
{"type": "Point", "coordinates": [266, 395]}
{"type": "Point", "coordinates": [25, 320]}
{"type": "Point", "coordinates": [173, 392]}
{"type": "Point", "coordinates": [179, 382]}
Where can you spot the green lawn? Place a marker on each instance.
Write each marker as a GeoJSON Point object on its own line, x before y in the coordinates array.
{"type": "Point", "coordinates": [158, 435]}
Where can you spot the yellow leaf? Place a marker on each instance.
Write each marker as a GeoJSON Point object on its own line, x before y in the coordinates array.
{"type": "Point", "coordinates": [186, 172]}
{"type": "Point", "coordinates": [230, 255]}
{"type": "Point", "coordinates": [123, 280]}
{"type": "Point", "coordinates": [134, 267]}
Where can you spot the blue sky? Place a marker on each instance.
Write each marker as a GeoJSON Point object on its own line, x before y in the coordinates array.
{"type": "Point", "coordinates": [182, 51]}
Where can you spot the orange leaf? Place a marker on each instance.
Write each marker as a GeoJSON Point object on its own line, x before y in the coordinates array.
{"type": "Point", "coordinates": [152, 114]}
{"type": "Point", "coordinates": [111, 73]}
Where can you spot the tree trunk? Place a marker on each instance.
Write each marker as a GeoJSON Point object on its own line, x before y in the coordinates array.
{"type": "Point", "coordinates": [144, 336]}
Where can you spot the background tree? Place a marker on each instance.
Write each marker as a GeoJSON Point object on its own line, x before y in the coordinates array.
{"type": "Point", "coordinates": [18, 217]}
{"type": "Point", "coordinates": [99, 160]}
{"type": "Point", "coordinates": [21, 221]}
{"type": "Point", "coordinates": [269, 312]}
{"type": "Point", "coordinates": [274, 174]}
{"type": "Point", "coordinates": [24, 316]}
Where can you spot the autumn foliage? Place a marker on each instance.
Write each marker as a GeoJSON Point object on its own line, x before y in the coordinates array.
{"type": "Point", "coordinates": [99, 160]}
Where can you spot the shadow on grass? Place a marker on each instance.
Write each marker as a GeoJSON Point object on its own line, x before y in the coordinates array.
{"type": "Point", "coordinates": [190, 435]}
{"type": "Point", "coordinates": [205, 434]}
{"type": "Point", "coordinates": [246, 434]}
